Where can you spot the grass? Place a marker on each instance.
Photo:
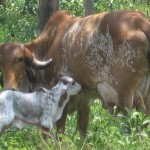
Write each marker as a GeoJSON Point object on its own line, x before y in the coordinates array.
{"type": "Point", "coordinates": [105, 132]}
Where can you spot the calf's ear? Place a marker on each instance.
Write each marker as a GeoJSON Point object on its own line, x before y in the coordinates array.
{"type": "Point", "coordinates": [62, 98]}
{"type": "Point", "coordinates": [41, 89]}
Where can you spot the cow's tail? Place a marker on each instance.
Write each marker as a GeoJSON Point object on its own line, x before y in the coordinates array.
{"type": "Point", "coordinates": [144, 25]}
{"type": "Point", "coordinates": [148, 53]}
{"type": "Point", "coordinates": [146, 30]}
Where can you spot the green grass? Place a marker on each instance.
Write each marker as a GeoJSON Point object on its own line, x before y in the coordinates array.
{"type": "Point", "coordinates": [105, 132]}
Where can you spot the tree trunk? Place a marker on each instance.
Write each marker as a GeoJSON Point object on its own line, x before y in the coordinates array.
{"type": "Point", "coordinates": [46, 9]}
{"type": "Point", "coordinates": [3, 2]}
{"type": "Point", "coordinates": [88, 7]}
{"type": "Point", "coordinates": [26, 3]}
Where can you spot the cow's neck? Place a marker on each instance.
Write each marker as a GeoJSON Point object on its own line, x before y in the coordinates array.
{"type": "Point", "coordinates": [45, 41]}
{"type": "Point", "coordinates": [38, 46]}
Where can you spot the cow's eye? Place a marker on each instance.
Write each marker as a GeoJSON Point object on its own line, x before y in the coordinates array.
{"type": "Point", "coordinates": [20, 59]}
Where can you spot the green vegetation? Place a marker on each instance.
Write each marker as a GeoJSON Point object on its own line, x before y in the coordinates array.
{"type": "Point", "coordinates": [105, 132]}
{"type": "Point", "coordinates": [20, 23]}
{"type": "Point", "coordinates": [16, 24]}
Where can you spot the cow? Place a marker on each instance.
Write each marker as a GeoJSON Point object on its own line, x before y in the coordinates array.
{"type": "Point", "coordinates": [107, 53]}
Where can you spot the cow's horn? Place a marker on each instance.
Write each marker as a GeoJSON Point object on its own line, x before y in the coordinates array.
{"type": "Point", "coordinates": [33, 62]}
{"type": "Point", "coordinates": [40, 64]}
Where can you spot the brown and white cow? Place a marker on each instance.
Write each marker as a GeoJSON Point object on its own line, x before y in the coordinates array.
{"type": "Point", "coordinates": [107, 53]}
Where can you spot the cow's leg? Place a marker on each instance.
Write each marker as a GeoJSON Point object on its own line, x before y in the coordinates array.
{"type": "Point", "coordinates": [60, 124]}
{"type": "Point", "coordinates": [139, 104]}
{"type": "Point", "coordinates": [147, 104]}
{"type": "Point", "coordinates": [83, 119]}
{"type": "Point", "coordinates": [126, 101]}
{"type": "Point", "coordinates": [109, 95]}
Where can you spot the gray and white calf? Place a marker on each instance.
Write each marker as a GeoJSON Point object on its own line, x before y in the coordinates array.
{"type": "Point", "coordinates": [41, 108]}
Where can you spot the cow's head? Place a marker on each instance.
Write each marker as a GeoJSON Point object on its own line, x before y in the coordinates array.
{"type": "Point", "coordinates": [14, 59]}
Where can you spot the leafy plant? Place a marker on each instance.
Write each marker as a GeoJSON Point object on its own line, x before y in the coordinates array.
{"type": "Point", "coordinates": [17, 25]}
{"type": "Point", "coordinates": [134, 121]}
{"type": "Point", "coordinates": [75, 6]}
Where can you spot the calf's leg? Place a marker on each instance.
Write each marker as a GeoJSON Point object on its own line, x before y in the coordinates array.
{"type": "Point", "coordinates": [6, 122]}
{"type": "Point", "coordinates": [60, 124]}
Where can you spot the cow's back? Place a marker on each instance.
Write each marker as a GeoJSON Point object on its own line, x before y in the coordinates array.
{"type": "Point", "coordinates": [104, 46]}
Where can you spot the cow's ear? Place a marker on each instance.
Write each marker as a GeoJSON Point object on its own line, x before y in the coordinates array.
{"type": "Point", "coordinates": [32, 78]}
{"type": "Point", "coordinates": [41, 89]}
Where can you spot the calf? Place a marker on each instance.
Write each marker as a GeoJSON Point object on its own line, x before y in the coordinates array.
{"type": "Point", "coordinates": [41, 108]}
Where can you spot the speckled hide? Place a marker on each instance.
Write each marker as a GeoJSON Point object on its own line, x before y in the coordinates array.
{"type": "Point", "coordinates": [41, 108]}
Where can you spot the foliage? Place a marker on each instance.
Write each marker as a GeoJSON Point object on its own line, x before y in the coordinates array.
{"type": "Point", "coordinates": [106, 132]}
{"type": "Point", "coordinates": [19, 22]}
{"type": "Point", "coordinates": [17, 25]}
{"type": "Point", "coordinates": [102, 5]}
{"type": "Point", "coordinates": [75, 6]}
{"type": "Point", "coordinates": [134, 122]}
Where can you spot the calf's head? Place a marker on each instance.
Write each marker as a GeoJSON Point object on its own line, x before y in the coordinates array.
{"type": "Point", "coordinates": [70, 87]}
{"type": "Point", "coordinates": [14, 58]}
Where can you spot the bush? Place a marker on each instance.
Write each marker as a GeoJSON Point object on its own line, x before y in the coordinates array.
{"type": "Point", "coordinates": [17, 25]}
